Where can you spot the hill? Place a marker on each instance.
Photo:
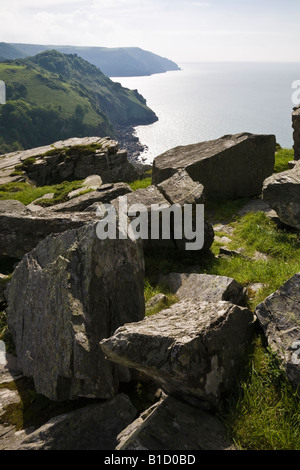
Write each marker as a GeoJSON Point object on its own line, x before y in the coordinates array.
{"type": "Point", "coordinates": [54, 96]}
{"type": "Point", "coordinates": [113, 62]}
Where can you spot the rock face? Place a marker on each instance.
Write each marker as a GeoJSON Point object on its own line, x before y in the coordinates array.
{"type": "Point", "coordinates": [66, 295]}
{"type": "Point", "coordinates": [188, 286]}
{"type": "Point", "coordinates": [21, 230]}
{"type": "Point", "coordinates": [279, 316]}
{"type": "Point", "coordinates": [181, 189]}
{"type": "Point", "coordinates": [93, 427]}
{"type": "Point", "coordinates": [71, 159]}
{"type": "Point", "coordinates": [282, 192]}
{"type": "Point", "coordinates": [296, 132]}
{"type": "Point", "coordinates": [192, 350]}
{"type": "Point", "coordinates": [230, 167]}
{"type": "Point", "coordinates": [174, 425]}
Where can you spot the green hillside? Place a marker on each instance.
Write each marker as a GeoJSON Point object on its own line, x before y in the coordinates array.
{"type": "Point", "coordinates": [113, 62]}
{"type": "Point", "coordinates": [54, 96]}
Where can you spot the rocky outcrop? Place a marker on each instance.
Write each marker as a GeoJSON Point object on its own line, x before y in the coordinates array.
{"type": "Point", "coordinates": [174, 425]}
{"type": "Point", "coordinates": [188, 286]}
{"type": "Point", "coordinates": [71, 159]}
{"type": "Point", "coordinates": [296, 131]}
{"type": "Point", "coordinates": [193, 350]}
{"type": "Point", "coordinates": [66, 295]}
{"type": "Point", "coordinates": [94, 427]}
{"type": "Point", "coordinates": [181, 189]}
{"type": "Point", "coordinates": [231, 167]}
{"type": "Point", "coordinates": [282, 192]}
{"type": "Point", "coordinates": [279, 316]}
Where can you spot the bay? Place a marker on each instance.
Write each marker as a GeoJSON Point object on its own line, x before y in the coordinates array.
{"type": "Point", "coordinates": [205, 101]}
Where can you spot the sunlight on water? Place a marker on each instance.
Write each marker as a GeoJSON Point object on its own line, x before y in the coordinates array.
{"type": "Point", "coordinates": [208, 100]}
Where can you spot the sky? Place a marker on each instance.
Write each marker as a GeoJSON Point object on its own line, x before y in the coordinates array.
{"type": "Point", "coordinates": [181, 30]}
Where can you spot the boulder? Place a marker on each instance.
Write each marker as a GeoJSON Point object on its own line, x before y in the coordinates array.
{"type": "Point", "coordinates": [279, 316]}
{"type": "Point", "coordinates": [188, 286]}
{"type": "Point", "coordinates": [174, 425]}
{"type": "Point", "coordinates": [63, 298]}
{"type": "Point", "coordinates": [94, 427]}
{"type": "Point", "coordinates": [150, 197]}
{"type": "Point", "coordinates": [92, 182]}
{"type": "Point", "coordinates": [282, 192]}
{"type": "Point", "coordinates": [233, 166]}
{"type": "Point", "coordinates": [21, 230]}
{"type": "Point", "coordinates": [296, 131]}
{"type": "Point", "coordinates": [181, 189]}
{"type": "Point", "coordinates": [193, 350]}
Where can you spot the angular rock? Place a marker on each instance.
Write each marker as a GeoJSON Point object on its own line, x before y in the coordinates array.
{"type": "Point", "coordinates": [174, 425]}
{"type": "Point", "coordinates": [21, 230]}
{"type": "Point", "coordinates": [282, 192]}
{"type": "Point", "coordinates": [193, 350]}
{"type": "Point", "coordinates": [94, 427]}
{"type": "Point", "coordinates": [231, 167]}
{"type": "Point", "coordinates": [181, 189]}
{"type": "Point", "coordinates": [156, 300]}
{"type": "Point", "coordinates": [105, 194]}
{"type": "Point", "coordinates": [188, 286]}
{"type": "Point", "coordinates": [63, 298]}
{"type": "Point", "coordinates": [148, 198]}
{"type": "Point", "coordinates": [92, 182]}
{"type": "Point", "coordinates": [279, 316]}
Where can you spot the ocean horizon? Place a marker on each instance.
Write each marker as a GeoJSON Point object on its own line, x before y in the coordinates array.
{"type": "Point", "coordinates": [206, 100]}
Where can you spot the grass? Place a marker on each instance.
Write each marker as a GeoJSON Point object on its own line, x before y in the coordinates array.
{"type": "Point", "coordinates": [282, 157]}
{"type": "Point", "coordinates": [27, 193]}
{"type": "Point", "coordinates": [265, 415]}
{"type": "Point", "coordinates": [140, 184]}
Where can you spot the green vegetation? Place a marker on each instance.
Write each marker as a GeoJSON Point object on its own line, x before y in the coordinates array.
{"type": "Point", "coordinates": [140, 184]}
{"type": "Point", "coordinates": [53, 96]}
{"type": "Point", "coordinates": [282, 157]}
{"type": "Point", "coordinates": [27, 193]}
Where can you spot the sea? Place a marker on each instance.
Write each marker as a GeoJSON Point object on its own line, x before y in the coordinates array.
{"type": "Point", "coordinates": [204, 101]}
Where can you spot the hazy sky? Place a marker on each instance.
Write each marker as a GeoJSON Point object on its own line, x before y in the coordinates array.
{"type": "Point", "coordinates": [182, 30]}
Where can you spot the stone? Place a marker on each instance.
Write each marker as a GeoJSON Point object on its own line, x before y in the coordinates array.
{"type": "Point", "coordinates": [174, 425]}
{"type": "Point", "coordinates": [92, 182]}
{"type": "Point", "coordinates": [296, 131]}
{"type": "Point", "coordinates": [94, 427]}
{"type": "Point", "coordinates": [188, 286]}
{"type": "Point", "coordinates": [282, 192]}
{"type": "Point", "coordinates": [104, 194]}
{"type": "Point", "coordinates": [21, 230]}
{"type": "Point", "coordinates": [156, 300]}
{"type": "Point", "coordinates": [63, 298]}
{"type": "Point", "coordinates": [279, 316]}
{"type": "Point", "coordinates": [149, 197]}
{"type": "Point", "coordinates": [181, 189]}
{"type": "Point", "coordinates": [194, 350]}
{"type": "Point", "coordinates": [231, 167]}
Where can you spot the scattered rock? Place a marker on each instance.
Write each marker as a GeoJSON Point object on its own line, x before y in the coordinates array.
{"type": "Point", "coordinates": [230, 167]}
{"type": "Point", "coordinates": [279, 316]}
{"type": "Point", "coordinates": [156, 300]}
{"type": "Point", "coordinates": [193, 350]}
{"type": "Point", "coordinates": [92, 182]}
{"type": "Point", "coordinates": [63, 298]}
{"type": "Point", "coordinates": [204, 287]}
{"type": "Point", "coordinates": [282, 192]}
{"type": "Point", "coordinates": [174, 425]}
{"type": "Point", "coordinates": [94, 427]}
{"type": "Point", "coordinates": [181, 189]}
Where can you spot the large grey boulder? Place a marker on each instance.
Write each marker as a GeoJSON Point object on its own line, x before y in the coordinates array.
{"type": "Point", "coordinates": [66, 295]}
{"type": "Point", "coordinates": [193, 350]}
{"type": "Point", "coordinates": [188, 286]}
{"type": "Point", "coordinates": [231, 167]}
{"type": "Point", "coordinates": [282, 192]}
{"type": "Point", "coordinates": [94, 427]}
{"type": "Point", "coordinates": [279, 316]}
{"type": "Point", "coordinates": [21, 230]}
{"type": "Point", "coordinates": [174, 425]}
{"type": "Point", "coordinates": [155, 201]}
{"type": "Point", "coordinates": [181, 189]}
